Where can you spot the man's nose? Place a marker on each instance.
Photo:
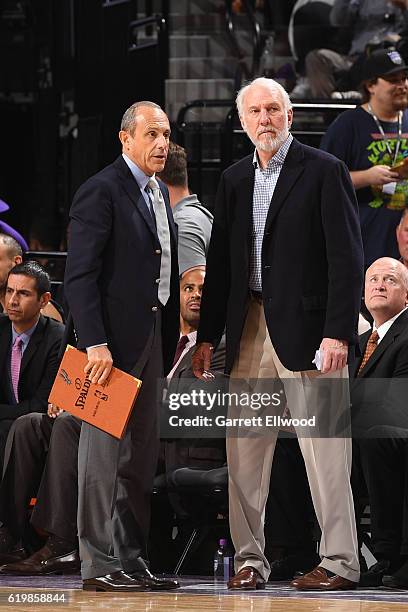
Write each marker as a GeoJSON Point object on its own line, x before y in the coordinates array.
{"type": "Point", "coordinates": [264, 117]}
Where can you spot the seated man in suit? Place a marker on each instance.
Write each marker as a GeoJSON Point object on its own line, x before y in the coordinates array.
{"type": "Point", "coordinates": [201, 453]}
{"type": "Point", "coordinates": [380, 425]}
{"type": "Point", "coordinates": [29, 347]}
{"type": "Point", "coordinates": [42, 462]}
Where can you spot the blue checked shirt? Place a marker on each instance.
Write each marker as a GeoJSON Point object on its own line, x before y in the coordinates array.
{"type": "Point", "coordinates": [264, 186]}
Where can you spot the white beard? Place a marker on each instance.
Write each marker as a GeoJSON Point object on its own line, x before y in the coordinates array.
{"type": "Point", "coordinates": [271, 143]}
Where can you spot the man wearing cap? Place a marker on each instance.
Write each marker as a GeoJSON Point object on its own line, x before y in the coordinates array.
{"type": "Point", "coordinates": [371, 139]}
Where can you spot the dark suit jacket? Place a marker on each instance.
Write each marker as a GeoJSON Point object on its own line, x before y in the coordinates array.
{"type": "Point", "coordinates": [312, 257]}
{"type": "Point", "coordinates": [112, 266]}
{"type": "Point", "coordinates": [204, 453]}
{"type": "Point", "coordinates": [379, 393]}
{"type": "Point", "coordinates": [38, 367]}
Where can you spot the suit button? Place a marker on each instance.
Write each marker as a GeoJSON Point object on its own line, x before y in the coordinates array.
{"type": "Point", "coordinates": [155, 308]}
{"type": "Point", "coordinates": [157, 281]}
{"type": "Point", "coordinates": [158, 252]}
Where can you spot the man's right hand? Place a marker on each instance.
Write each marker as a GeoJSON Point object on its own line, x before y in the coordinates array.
{"type": "Point", "coordinates": [381, 175]}
{"type": "Point", "coordinates": [99, 364]}
{"type": "Point", "coordinates": [201, 360]}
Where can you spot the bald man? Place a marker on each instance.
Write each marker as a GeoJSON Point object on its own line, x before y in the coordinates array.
{"type": "Point", "coordinates": [379, 411]}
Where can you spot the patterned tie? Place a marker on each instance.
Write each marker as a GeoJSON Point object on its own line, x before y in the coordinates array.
{"type": "Point", "coordinates": [180, 348]}
{"type": "Point", "coordinates": [370, 348]}
{"type": "Point", "coordinates": [163, 233]}
{"type": "Point", "coordinates": [16, 355]}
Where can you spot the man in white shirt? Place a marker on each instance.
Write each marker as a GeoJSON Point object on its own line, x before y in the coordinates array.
{"type": "Point", "coordinates": [379, 400]}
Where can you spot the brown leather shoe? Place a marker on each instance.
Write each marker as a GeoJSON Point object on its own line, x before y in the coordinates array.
{"type": "Point", "coordinates": [44, 562]}
{"type": "Point", "coordinates": [13, 555]}
{"type": "Point", "coordinates": [319, 580]}
{"type": "Point", "coordinates": [248, 578]}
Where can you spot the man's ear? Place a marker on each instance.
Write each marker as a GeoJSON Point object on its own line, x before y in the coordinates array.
{"type": "Point", "coordinates": [124, 137]}
{"type": "Point", "coordinates": [242, 120]}
{"type": "Point", "coordinates": [17, 260]}
{"type": "Point", "coordinates": [290, 117]}
{"type": "Point", "coordinates": [45, 298]}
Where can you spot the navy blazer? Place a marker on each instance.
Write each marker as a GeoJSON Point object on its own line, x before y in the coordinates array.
{"type": "Point", "coordinates": [312, 258]}
{"type": "Point", "coordinates": [112, 266]}
{"type": "Point", "coordinates": [39, 366]}
{"type": "Point", "coordinates": [379, 393]}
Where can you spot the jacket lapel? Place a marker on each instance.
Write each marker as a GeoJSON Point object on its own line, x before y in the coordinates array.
{"type": "Point", "coordinates": [245, 196]}
{"type": "Point", "coordinates": [396, 328]}
{"type": "Point", "coordinates": [291, 171]}
{"type": "Point", "coordinates": [35, 340]}
{"type": "Point", "coordinates": [5, 343]}
{"type": "Point", "coordinates": [135, 195]}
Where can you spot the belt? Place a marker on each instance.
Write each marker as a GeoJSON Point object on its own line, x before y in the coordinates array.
{"type": "Point", "coordinates": [256, 295]}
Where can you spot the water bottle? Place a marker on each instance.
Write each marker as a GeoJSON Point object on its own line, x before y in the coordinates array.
{"type": "Point", "coordinates": [266, 65]}
{"type": "Point", "coordinates": [223, 562]}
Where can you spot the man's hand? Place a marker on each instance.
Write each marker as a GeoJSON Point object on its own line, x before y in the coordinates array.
{"type": "Point", "coordinates": [334, 354]}
{"type": "Point", "coordinates": [53, 411]}
{"type": "Point", "coordinates": [99, 364]}
{"type": "Point", "coordinates": [201, 360]}
{"type": "Point", "coordinates": [381, 175]}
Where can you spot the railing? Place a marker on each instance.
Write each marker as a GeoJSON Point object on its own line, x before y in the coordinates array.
{"type": "Point", "coordinates": [182, 126]}
{"type": "Point", "coordinates": [229, 130]}
{"type": "Point", "coordinates": [256, 41]}
{"type": "Point", "coordinates": [162, 40]}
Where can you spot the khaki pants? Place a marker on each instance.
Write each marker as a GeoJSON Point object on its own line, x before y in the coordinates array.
{"type": "Point", "coordinates": [327, 461]}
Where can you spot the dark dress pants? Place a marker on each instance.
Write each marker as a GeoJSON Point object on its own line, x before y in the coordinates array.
{"type": "Point", "coordinates": [57, 496]}
{"type": "Point", "coordinates": [41, 462]}
{"type": "Point", "coordinates": [382, 465]}
{"type": "Point", "coordinates": [116, 480]}
{"type": "Point", "coordinates": [5, 425]}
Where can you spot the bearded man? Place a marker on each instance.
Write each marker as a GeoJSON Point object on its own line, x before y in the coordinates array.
{"type": "Point", "coordinates": [284, 276]}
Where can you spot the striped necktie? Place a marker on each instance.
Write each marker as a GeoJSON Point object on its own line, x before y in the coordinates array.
{"type": "Point", "coordinates": [15, 365]}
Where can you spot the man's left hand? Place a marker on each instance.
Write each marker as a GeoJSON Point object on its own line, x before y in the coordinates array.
{"type": "Point", "coordinates": [334, 354]}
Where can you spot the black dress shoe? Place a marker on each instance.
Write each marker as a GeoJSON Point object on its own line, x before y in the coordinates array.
{"type": "Point", "coordinates": [150, 581]}
{"type": "Point", "coordinates": [13, 555]}
{"type": "Point", "coordinates": [373, 577]}
{"type": "Point", "coordinates": [398, 580]}
{"type": "Point", "coordinates": [118, 582]}
{"type": "Point", "coordinates": [44, 562]}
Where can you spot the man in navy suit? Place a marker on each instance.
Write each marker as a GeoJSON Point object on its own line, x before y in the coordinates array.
{"type": "Point", "coordinates": [122, 288]}
{"type": "Point", "coordinates": [284, 275]}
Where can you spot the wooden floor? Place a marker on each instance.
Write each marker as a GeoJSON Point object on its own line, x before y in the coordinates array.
{"type": "Point", "coordinates": [172, 602]}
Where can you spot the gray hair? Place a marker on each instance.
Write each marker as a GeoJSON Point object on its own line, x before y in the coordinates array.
{"type": "Point", "coordinates": [270, 84]}
{"type": "Point", "coordinates": [129, 117]}
{"type": "Point", "coordinates": [12, 246]}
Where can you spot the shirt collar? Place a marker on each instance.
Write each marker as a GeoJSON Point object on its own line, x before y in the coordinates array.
{"type": "Point", "coordinates": [25, 336]}
{"type": "Point", "coordinates": [278, 158]}
{"type": "Point", "coordinates": [382, 329]}
{"type": "Point", "coordinates": [140, 177]}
